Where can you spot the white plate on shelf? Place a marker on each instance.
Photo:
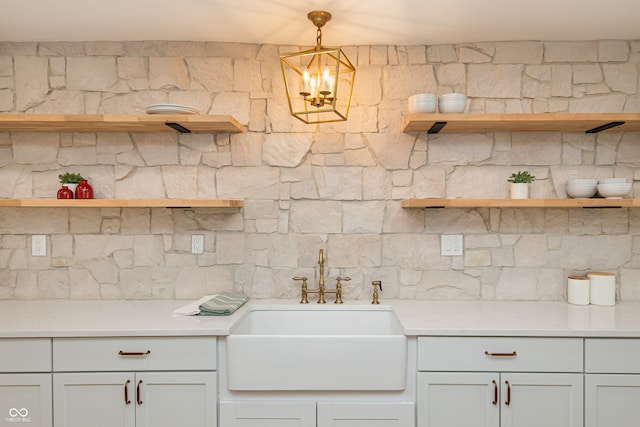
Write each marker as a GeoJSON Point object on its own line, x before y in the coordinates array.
{"type": "Point", "coordinates": [171, 109]}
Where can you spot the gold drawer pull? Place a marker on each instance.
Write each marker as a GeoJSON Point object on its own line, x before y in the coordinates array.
{"type": "Point", "coordinates": [508, 402]}
{"type": "Point", "coordinates": [126, 392]}
{"type": "Point", "coordinates": [495, 393]}
{"type": "Point", "coordinates": [512, 354]}
{"type": "Point", "coordinates": [134, 353]}
{"type": "Point", "coordinates": [138, 399]}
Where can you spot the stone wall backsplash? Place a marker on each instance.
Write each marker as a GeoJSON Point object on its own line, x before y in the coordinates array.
{"type": "Point", "coordinates": [334, 186]}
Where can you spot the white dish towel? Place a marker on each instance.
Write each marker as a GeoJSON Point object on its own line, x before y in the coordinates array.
{"type": "Point", "coordinates": [193, 308]}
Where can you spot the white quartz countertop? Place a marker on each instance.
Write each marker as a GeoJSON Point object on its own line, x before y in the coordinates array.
{"type": "Point", "coordinates": [517, 318]}
{"type": "Point", "coordinates": [455, 318]}
{"type": "Point", "coordinates": [56, 318]}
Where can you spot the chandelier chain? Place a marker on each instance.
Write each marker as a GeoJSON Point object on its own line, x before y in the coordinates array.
{"type": "Point", "coordinates": [319, 37]}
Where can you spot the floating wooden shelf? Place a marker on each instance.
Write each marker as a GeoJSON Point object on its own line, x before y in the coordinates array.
{"type": "Point", "coordinates": [184, 123]}
{"type": "Point", "coordinates": [521, 203]}
{"type": "Point", "coordinates": [114, 203]}
{"type": "Point", "coordinates": [539, 122]}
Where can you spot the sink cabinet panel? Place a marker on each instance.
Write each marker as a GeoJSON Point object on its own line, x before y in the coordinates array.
{"type": "Point", "coordinates": [268, 414]}
{"type": "Point", "coordinates": [366, 414]}
{"type": "Point", "coordinates": [312, 414]}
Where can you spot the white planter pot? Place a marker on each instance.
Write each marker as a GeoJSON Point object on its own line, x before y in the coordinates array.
{"type": "Point", "coordinates": [72, 187]}
{"type": "Point", "coordinates": [519, 190]}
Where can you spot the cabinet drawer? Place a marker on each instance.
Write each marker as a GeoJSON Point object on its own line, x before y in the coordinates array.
{"type": "Point", "coordinates": [612, 356]}
{"type": "Point", "coordinates": [134, 354]}
{"type": "Point", "coordinates": [25, 355]}
{"type": "Point", "coordinates": [500, 354]}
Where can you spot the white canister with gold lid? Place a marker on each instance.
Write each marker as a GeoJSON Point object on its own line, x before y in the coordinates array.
{"type": "Point", "coordinates": [578, 290]}
{"type": "Point", "coordinates": [602, 288]}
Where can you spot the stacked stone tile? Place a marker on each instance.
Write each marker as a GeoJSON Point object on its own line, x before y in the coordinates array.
{"type": "Point", "coordinates": [335, 186]}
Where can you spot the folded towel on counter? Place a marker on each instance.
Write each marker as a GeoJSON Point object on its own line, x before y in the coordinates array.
{"type": "Point", "coordinates": [193, 308]}
{"type": "Point", "coordinates": [222, 304]}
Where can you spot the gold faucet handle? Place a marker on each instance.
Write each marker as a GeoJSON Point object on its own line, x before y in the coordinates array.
{"type": "Point", "coordinates": [303, 279]}
{"type": "Point", "coordinates": [341, 279]}
{"type": "Point", "coordinates": [303, 299]}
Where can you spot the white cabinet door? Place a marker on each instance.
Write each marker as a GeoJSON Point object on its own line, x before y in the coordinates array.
{"type": "Point", "coordinates": [128, 399]}
{"type": "Point", "coordinates": [612, 400]}
{"type": "Point", "coordinates": [94, 399]}
{"type": "Point", "coordinates": [366, 414]}
{"type": "Point", "coordinates": [534, 400]}
{"type": "Point", "coordinates": [170, 399]}
{"type": "Point", "coordinates": [25, 399]}
{"type": "Point", "coordinates": [457, 399]}
{"type": "Point", "coordinates": [267, 414]}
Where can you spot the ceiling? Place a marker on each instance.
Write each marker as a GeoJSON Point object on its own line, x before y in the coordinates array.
{"type": "Point", "coordinates": [284, 22]}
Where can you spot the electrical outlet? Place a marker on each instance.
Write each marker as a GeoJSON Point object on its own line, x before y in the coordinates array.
{"type": "Point", "coordinates": [451, 244]}
{"type": "Point", "coordinates": [197, 244]}
{"type": "Point", "coordinates": [38, 245]}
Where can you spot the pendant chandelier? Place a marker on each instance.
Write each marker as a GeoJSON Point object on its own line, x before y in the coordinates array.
{"type": "Point", "coordinates": [319, 81]}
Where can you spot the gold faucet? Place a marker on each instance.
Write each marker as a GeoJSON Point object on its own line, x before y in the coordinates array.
{"type": "Point", "coordinates": [376, 284]}
{"type": "Point", "coordinates": [321, 291]}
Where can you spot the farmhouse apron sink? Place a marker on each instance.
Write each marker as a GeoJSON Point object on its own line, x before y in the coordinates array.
{"type": "Point", "coordinates": [317, 347]}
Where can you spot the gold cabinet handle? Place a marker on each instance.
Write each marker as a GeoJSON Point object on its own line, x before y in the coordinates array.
{"type": "Point", "coordinates": [134, 353]}
{"type": "Point", "coordinates": [508, 401]}
{"type": "Point", "coordinates": [138, 399]}
{"type": "Point", "coordinates": [512, 354]}
{"type": "Point", "coordinates": [495, 393]}
{"type": "Point", "coordinates": [126, 392]}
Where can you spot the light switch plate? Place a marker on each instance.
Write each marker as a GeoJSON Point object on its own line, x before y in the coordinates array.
{"type": "Point", "coordinates": [451, 244]}
{"type": "Point", "coordinates": [38, 245]}
{"type": "Point", "coordinates": [197, 244]}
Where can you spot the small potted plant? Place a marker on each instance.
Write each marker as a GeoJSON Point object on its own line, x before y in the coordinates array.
{"type": "Point", "coordinates": [520, 184]}
{"type": "Point", "coordinates": [70, 180]}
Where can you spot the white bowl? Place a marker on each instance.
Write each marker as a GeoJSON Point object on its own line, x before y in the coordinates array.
{"type": "Point", "coordinates": [612, 180]}
{"type": "Point", "coordinates": [615, 190]}
{"type": "Point", "coordinates": [422, 103]}
{"type": "Point", "coordinates": [452, 103]}
{"type": "Point", "coordinates": [581, 192]}
{"type": "Point", "coordinates": [581, 188]}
